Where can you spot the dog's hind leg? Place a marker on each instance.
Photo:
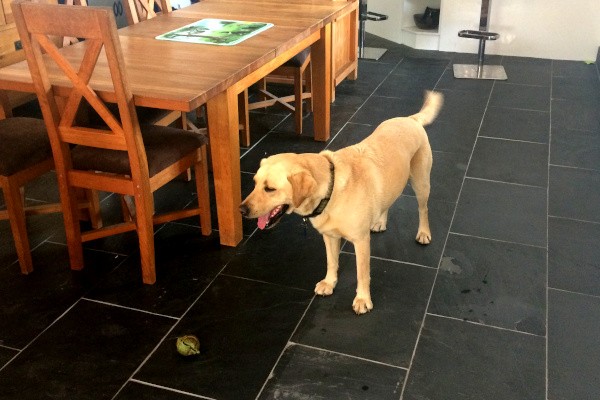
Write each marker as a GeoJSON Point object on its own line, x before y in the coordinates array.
{"type": "Point", "coordinates": [332, 247]}
{"type": "Point", "coordinates": [420, 171]}
{"type": "Point", "coordinates": [362, 302]}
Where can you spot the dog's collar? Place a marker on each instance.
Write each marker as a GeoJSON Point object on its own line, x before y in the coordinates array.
{"type": "Point", "coordinates": [323, 203]}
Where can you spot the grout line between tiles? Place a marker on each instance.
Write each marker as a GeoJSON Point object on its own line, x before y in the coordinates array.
{"type": "Point", "coordinates": [485, 325]}
{"type": "Point", "coordinates": [264, 282]}
{"type": "Point", "coordinates": [414, 352]}
{"type": "Point", "coordinates": [128, 308]}
{"type": "Point", "coordinates": [548, 230]}
{"type": "Point", "coordinates": [496, 240]}
{"type": "Point", "coordinates": [8, 347]}
{"type": "Point", "coordinates": [594, 296]}
{"type": "Point", "coordinates": [571, 167]}
{"type": "Point", "coordinates": [496, 181]}
{"type": "Point", "coordinates": [573, 219]}
{"type": "Point", "coordinates": [346, 355]}
{"type": "Point", "coordinates": [170, 389]}
{"type": "Point", "coordinates": [41, 333]}
{"type": "Point", "coordinates": [511, 140]}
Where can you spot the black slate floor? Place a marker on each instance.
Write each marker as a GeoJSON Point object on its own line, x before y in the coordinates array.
{"type": "Point", "coordinates": [504, 303]}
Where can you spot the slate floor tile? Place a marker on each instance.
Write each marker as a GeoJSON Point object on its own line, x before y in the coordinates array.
{"type": "Point", "coordinates": [575, 193]}
{"type": "Point", "coordinates": [399, 293]}
{"type": "Point", "coordinates": [291, 254]}
{"type": "Point", "coordinates": [502, 211]}
{"type": "Point", "coordinates": [327, 375]}
{"type": "Point", "coordinates": [377, 109]}
{"type": "Point", "coordinates": [572, 148]}
{"type": "Point", "coordinates": [574, 256]}
{"type": "Point", "coordinates": [573, 353]}
{"type": "Point", "coordinates": [77, 356]}
{"type": "Point", "coordinates": [526, 97]}
{"type": "Point", "coordinates": [469, 361]}
{"type": "Point", "coordinates": [186, 262]}
{"type": "Point", "coordinates": [32, 302]}
{"type": "Point", "coordinates": [447, 81]}
{"type": "Point", "coordinates": [138, 391]}
{"type": "Point", "coordinates": [576, 115]}
{"type": "Point", "coordinates": [233, 363]}
{"type": "Point", "coordinates": [510, 161]}
{"type": "Point", "coordinates": [511, 123]}
{"type": "Point", "coordinates": [493, 283]}
{"type": "Point", "coordinates": [452, 135]}
{"type": "Point", "coordinates": [6, 354]}
{"type": "Point", "coordinates": [528, 72]}
{"type": "Point", "coordinates": [398, 241]}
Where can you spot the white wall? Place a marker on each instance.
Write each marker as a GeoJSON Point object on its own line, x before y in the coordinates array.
{"type": "Point", "coordinates": [557, 29]}
{"type": "Point", "coordinates": [391, 28]}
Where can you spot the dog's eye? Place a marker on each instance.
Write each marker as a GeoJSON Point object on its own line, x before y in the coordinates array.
{"type": "Point", "coordinates": [269, 189]}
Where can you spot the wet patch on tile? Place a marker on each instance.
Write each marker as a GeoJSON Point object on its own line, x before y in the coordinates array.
{"type": "Point", "coordinates": [304, 372]}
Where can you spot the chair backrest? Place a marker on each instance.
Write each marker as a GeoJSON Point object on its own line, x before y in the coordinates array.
{"type": "Point", "coordinates": [37, 23]}
{"type": "Point", "coordinates": [141, 10]}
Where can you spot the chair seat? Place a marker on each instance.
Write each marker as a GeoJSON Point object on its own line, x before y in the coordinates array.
{"type": "Point", "coordinates": [298, 60]}
{"type": "Point", "coordinates": [29, 144]}
{"type": "Point", "coordinates": [164, 146]}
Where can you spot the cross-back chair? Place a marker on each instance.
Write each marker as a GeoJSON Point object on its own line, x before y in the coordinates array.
{"type": "Point", "coordinates": [141, 10]}
{"type": "Point", "coordinates": [123, 158]}
{"type": "Point", "coordinates": [298, 70]}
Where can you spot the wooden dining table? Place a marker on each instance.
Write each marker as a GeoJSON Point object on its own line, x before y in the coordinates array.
{"type": "Point", "coordinates": [183, 76]}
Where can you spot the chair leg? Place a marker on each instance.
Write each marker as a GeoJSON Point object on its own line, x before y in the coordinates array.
{"type": "Point", "coordinates": [70, 210]}
{"type": "Point", "coordinates": [94, 208]}
{"type": "Point", "coordinates": [201, 169]}
{"type": "Point", "coordinates": [144, 209]}
{"type": "Point", "coordinates": [298, 90]}
{"type": "Point", "coordinates": [308, 79]}
{"type": "Point", "coordinates": [244, 118]}
{"type": "Point", "coordinates": [18, 226]}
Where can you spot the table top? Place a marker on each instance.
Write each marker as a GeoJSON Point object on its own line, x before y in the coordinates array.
{"type": "Point", "coordinates": [183, 76]}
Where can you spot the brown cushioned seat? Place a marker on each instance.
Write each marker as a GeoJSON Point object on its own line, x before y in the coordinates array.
{"type": "Point", "coordinates": [24, 143]}
{"type": "Point", "coordinates": [299, 59]}
{"type": "Point", "coordinates": [161, 151]}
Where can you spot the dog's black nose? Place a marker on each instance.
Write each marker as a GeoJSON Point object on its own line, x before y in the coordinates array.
{"type": "Point", "coordinates": [244, 210]}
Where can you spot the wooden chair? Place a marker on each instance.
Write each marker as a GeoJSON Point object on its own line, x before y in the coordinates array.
{"type": "Point", "coordinates": [25, 154]}
{"type": "Point", "coordinates": [125, 158]}
{"type": "Point", "coordinates": [298, 68]}
{"type": "Point", "coordinates": [141, 10]}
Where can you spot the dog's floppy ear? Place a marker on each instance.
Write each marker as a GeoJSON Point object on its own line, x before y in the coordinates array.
{"type": "Point", "coordinates": [303, 184]}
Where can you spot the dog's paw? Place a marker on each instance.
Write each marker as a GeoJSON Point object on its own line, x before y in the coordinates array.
{"type": "Point", "coordinates": [361, 305]}
{"type": "Point", "coordinates": [324, 288]}
{"type": "Point", "coordinates": [379, 227]}
{"type": "Point", "coordinates": [423, 237]}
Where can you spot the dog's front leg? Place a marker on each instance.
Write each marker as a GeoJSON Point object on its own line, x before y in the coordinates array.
{"type": "Point", "coordinates": [332, 247]}
{"type": "Point", "coordinates": [362, 302]}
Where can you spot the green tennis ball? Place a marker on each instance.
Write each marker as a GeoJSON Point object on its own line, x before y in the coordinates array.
{"type": "Point", "coordinates": [188, 345]}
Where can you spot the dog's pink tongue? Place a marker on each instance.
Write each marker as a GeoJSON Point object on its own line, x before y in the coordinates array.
{"type": "Point", "coordinates": [263, 220]}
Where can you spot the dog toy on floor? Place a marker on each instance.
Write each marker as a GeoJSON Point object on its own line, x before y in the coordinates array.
{"type": "Point", "coordinates": [188, 345]}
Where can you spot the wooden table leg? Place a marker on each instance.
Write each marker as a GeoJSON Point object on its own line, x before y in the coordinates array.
{"type": "Point", "coordinates": [320, 56]}
{"type": "Point", "coordinates": [223, 130]}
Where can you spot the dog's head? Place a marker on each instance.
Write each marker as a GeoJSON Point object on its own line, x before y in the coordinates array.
{"type": "Point", "coordinates": [284, 183]}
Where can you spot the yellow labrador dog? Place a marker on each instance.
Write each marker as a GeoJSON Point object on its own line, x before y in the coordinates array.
{"type": "Point", "coordinates": [347, 193]}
